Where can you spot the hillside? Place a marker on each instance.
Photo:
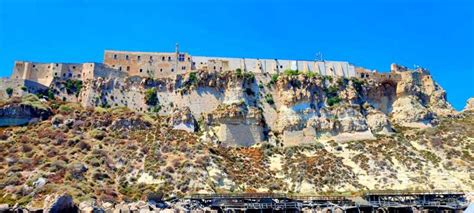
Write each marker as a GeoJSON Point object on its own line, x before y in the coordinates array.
{"type": "Point", "coordinates": [116, 154]}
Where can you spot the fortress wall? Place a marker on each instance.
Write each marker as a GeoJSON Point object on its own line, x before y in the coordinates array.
{"type": "Point", "coordinates": [16, 85]}
{"type": "Point", "coordinates": [44, 73]}
{"type": "Point", "coordinates": [149, 64]}
{"type": "Point", "coordinates": [103, 71]}
{"type": "Point", "coordinates": [273, 66]}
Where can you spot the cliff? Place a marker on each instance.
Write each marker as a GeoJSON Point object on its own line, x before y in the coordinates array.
{"type": "Point", "coordinates": [289, 109]}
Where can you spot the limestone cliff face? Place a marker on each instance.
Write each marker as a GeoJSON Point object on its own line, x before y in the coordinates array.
{"type": "Point", "coordinates": [290, 108]}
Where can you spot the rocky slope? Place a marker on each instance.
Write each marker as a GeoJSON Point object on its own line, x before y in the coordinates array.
{"type": "Point", "coordinates": [115, 155]}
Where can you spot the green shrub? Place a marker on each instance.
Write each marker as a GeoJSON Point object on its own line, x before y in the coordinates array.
{"type": "Point", "coordinates": [24, 88]}
{"type": "Point", "coordinates": [290, 72]}
{"type": "Point", "coordinates": [65, 109]}
{"type": "Point", "coordinates": [260, 86]}
{"type": "Point", "coordinates": [238, 73]}
{"type": "Point", "coordinates": [311, 74]}
{"type": "Point", "coordinates": [155, 109]}
{"type": "Point", "coordinates": [333, 100]}
{"type": "Point", "coordinates": [193, 79]}
{"type": "Point", "coordinates": [357, 83]}
{"type": "Point", "coordinates": [50, 94]}
{"type": "Point", "coordinates": [73, 86]}
{"type": "Point", "coordinates": [274, 79]}
{"type": "Point", "coordinates": [97, 134]}
{"type": "Point", "coordinates": [269, 99]}
{"type": "Point", "coordinates": [249, 76]}
{"type": "Point", "coordinates": [9, 91]}
{"type": "Point", "coordinates": [332, 91]}
{"type": "Point", "coordinates": [150, 97]}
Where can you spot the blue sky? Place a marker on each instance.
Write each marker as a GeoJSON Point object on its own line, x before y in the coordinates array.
{"type": "Point", "coordinates": [431, 33]}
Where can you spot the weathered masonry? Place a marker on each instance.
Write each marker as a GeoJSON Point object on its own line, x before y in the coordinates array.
{"type": "Point", "coordinates": [121, 64]}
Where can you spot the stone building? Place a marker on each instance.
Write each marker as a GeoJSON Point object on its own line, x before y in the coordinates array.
{"type": "Point", "coordinates": [121, 64]}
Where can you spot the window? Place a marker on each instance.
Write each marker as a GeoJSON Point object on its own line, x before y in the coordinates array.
{"type": "Point", "coordinates": [34, 65]}
{"type": "Point", "coordinates": [49, 66]}
{"type": "Point", "coordinates": [115, 56]}
{"type": "Point", "coordinates": [172, 69]}
{"type": "Point", "coordinates": [183, 67]}
{"type": "Point", "coordinates": [55, 74]}
{"type": "Point", "coordinates": [161, 70]}
{"type": "Point", "coordinates": [181, 57]}
{"type": "Point", "coordinates": [126, 57]}
{"type": "Point", "coordinates": [120, 68]}
{"type": "Point", "coordinates": [73, 67]}
{"type": "Point", "coordinates": [141, 70]}
{"type": "Point", "coordinates": [151, 57]}
{"type": "Point", "coordinates": [281, 66]}
{"type": "Point", "coordinates": [138, 58]}
{"type": "Point", "coordinates": [128, 68]}
{"type": "Point", "coordinates": [214, 67]}
{"type": "Point", "coordinates": [113, 65]}
{"type": "Point", "coordinates": [169, 58]}
{"type": "Point", "coordinates": [57, 64]}
{"type": "Point", "coordinates": [163, 58]}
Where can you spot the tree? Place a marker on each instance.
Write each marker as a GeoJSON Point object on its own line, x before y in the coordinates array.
{"type": "Point", "coordinates": [150, 97]}
{"type": "Point", "coordinates": [9, 91]}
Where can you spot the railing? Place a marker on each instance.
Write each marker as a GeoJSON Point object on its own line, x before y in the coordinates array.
{"type": "Point", "coordinates": [414, 192]}
{"type": "Point", "coordinates": [238, 196]}
{"type": "Point", "coordinates": [285, 205]}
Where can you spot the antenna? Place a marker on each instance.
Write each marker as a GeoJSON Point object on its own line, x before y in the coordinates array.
{"type": "Point", "coordinates": [319, 56]}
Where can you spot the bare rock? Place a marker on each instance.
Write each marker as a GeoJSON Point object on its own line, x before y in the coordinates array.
{"type": "Point", "coordinates": [59, 203]}
{"type": "Point", "coordinates": [469, 105]}
{"type": "Point", "coordinates": [183, 119]}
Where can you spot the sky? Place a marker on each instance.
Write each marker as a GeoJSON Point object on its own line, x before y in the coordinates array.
{"type": "Point", "coordinates": [434, 34]}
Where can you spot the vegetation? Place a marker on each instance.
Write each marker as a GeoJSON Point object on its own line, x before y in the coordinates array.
{"type": "Point", "coordinates": [73, 86]}
{"type": "Point", "coordinates": [290, 72]}
{"type": "Point", "coordinates": [151, 97]}
{"type": "Point", "coordinates": [238, 73]}
{"type": "Point", "coordinates": [193, 79]}
{"type": "Point", "coordinates": [269, 99]}
{"type": "Point", "coordinates": [274, 79]}
{"type": "Point", "coordinates": [311, 74]}
{"type": "Point", "coordinates": [24, 88]}
{"type": "Point", "coordinates": [333, 100]}
{"type": "Point", "coordinates": [9, 91]}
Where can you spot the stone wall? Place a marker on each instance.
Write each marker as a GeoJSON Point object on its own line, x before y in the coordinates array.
{"type": "Point", "coordinates": [144, 64]}
{"type": "Point", "coordinates": [16, 85]}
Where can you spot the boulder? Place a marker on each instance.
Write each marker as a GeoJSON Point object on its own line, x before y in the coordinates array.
{"type": "Point", "coordinates": [4, 207]}
{"type": "Point", "coordinates": [59, 203]}
{"type": "Point", "coordinates": [182, 119]}
{"type": "Point", "coordinates": [126, 124]}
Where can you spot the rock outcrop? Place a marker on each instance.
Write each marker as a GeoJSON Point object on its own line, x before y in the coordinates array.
{"type": "Point", "coordinates": [469, 105]}
{"type": "Point", "coordinates": [23, 111]}
{"type": "Point", "coordinates": [59, 203]}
